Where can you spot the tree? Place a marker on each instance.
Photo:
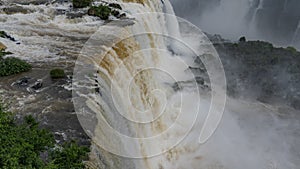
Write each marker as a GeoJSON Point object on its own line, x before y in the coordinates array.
{"type": "Point", "coordinates": [242, 39]}
{"type": "Point", "coordinates": [21, 146]}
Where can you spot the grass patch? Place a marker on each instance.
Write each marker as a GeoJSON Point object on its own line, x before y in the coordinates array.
{"type": "Point", "coordinates": [10, 65]}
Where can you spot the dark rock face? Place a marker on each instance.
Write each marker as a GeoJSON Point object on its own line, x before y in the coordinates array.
{"type": "Point", "coordinates": [27, 2]}
{"type": "Point", "coordinates": [15, 9]}
{"type": "Point", "coordinates": [257, 70]}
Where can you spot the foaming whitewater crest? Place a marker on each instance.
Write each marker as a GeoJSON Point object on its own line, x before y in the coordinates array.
{"type": "Point", "coordinates": [45, 34]}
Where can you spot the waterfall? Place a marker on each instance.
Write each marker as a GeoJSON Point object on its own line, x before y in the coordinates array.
{"type": "Point", "coordinates": [259, 7]}
{"type": "Point", "coordinates": [296, 36]}
{"type": "Point", "coordinates": [252, 28]}
{"type": "Point", "coordinates": [172, 26]}
{"type": "Point", "coordinates": [139, 113]}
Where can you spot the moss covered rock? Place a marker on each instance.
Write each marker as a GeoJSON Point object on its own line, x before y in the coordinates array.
{"type": "Point", "coordinates": [81, 3]}
{"type": "Point", "coordinates": [15, 9]}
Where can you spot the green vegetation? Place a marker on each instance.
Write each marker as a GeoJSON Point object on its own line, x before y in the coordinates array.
{"type": "Point", "coordinates": [81, 3]}
{"type": "Point", "coordinates": [11, 65]}
{"type": "Point", "coordinates": [104, 11]}
{"type": "Point", "coordinates": [71, 156]}
{"type": "Point", "coordinates": [57, 73]}
{"type": "Point", "coordinates": [25, 145]}
{"type": "Point", "coordinates": [100, 11]}
{"type": "Point", "coordinates": [292, 49]}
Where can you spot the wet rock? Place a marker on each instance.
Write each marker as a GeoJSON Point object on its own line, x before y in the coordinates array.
{"type": "Point", "coordinates": [15, 9]}
{"type": "Point", "coordinates": [28, 2]}
{"type": "Point", "coordinates": [38, 84]}
{"type": "Point", "coordinates": [122, 16]}
{"type": "Point", "coordinates": [76, 14]}
{"type": "Point", "coordinates": [115, 13]}
{"type": "Point", "coordinates": [200, 80]}
{"type": "Point", "coordinates": [81, 3]}
{"type": "Point", "coordinates": [2, 46]}
{"type": "Point", "coordinates": [3, 34]}
{"type": "Point", "coordinates": [115, 5]}
{"type": "Point", "coordinates": [177, 86]}
{"type": "Point", "coordinates": [23, 81]}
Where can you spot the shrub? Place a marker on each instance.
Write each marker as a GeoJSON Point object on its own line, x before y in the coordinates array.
{"type": "Point", "coordinates": [292, 49]}
{"type": "Point", "coordinates": [21, 146]}
{"type": "Point", "coordinates": [57, 73]}
{"type": "Point", "coordinates": [242, 39]}
{"type": "Point", "coordinates": [70, 156]}
{"type": "Point", "coordinates": [100, 11]}
{"type": "Point", "coordinates": [11, 65]}
{"type": "Point", "coordinates": [81, 3]}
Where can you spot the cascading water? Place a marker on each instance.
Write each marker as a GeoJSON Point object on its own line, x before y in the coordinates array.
{"type": "Point", "coordinates": [137, 77]}
{"type": "Point", "coordinates": [253, 18]}
{"type": "Point", "coordinates": [148, 108]}
{"type": "Point", "coordinates": [296, 36]}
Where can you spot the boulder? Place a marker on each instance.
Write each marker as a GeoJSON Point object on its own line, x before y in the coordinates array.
{"type": "Point", "coordinates": [23, 81]}
{"type": "Point", "coordinates": [27, 2]}
{"type": "Point", "coordinates": [38, 84]}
